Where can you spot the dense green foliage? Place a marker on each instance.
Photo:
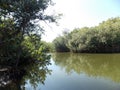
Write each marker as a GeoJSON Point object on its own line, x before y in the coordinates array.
{"type": "Point", "coordinates": [48, 46]}
{"type": "Point", "coordinates": [20, 31]}
{"type": "Point", "coordinates": [104, 38]}
{"type": "Point", "coordinates": [60, 44]}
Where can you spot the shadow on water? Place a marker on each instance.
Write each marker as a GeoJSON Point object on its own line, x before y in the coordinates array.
{"type": "Point", "coordinates": [94, 65]}
{"type": "Point", "coordinates": [16, 79]}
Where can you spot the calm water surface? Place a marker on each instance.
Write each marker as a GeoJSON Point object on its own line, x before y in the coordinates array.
{"type": "Point", "coordinates": [82, 72]}
{"type": "Point", "coordinates": [77, 72]}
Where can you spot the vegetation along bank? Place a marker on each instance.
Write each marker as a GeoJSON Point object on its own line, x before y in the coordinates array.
{"type": "Point", "coordinates": [104, 38]}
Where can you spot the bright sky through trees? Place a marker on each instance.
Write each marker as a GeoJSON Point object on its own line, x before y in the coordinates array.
{"type": "Point", "coordinates": [80, 13]}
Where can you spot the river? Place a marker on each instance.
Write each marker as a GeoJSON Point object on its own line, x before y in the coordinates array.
{"type": "Point", "coordinates": [80, 72]}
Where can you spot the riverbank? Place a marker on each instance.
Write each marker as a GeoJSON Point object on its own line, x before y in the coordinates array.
{"type": "Point", "coordinates": [104, 38]}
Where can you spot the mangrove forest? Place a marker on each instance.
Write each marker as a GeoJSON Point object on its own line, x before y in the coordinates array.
{"type": "Point", "coordinates": [104, 38]}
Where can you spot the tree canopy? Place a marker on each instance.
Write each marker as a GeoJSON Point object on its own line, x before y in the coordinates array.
{"type": "Point", "coordinates": [104, 38]}
{"type": "Point", "coordinates": [20, 30]}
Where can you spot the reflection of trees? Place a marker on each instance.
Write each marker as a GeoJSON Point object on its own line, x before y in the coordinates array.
{"type": "Point", "coordinates": [17, 78]}
{"type": "Point", "coordinates": [105, 65]}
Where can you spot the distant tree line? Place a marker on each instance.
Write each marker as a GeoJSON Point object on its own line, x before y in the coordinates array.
{"type": "Point", "coordinates": [104, 38]}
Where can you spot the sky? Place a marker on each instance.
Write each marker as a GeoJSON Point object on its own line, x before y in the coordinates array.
{"type": "Point", "coordinates": [78, 14]}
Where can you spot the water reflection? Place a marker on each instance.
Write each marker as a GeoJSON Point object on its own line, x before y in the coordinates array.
{"type": "Point", "coordinates": [95, 65]}
{"type": "Point", "coordinates": [16, 79]}
{"type": "Point", "coordinates": [79, 72]}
